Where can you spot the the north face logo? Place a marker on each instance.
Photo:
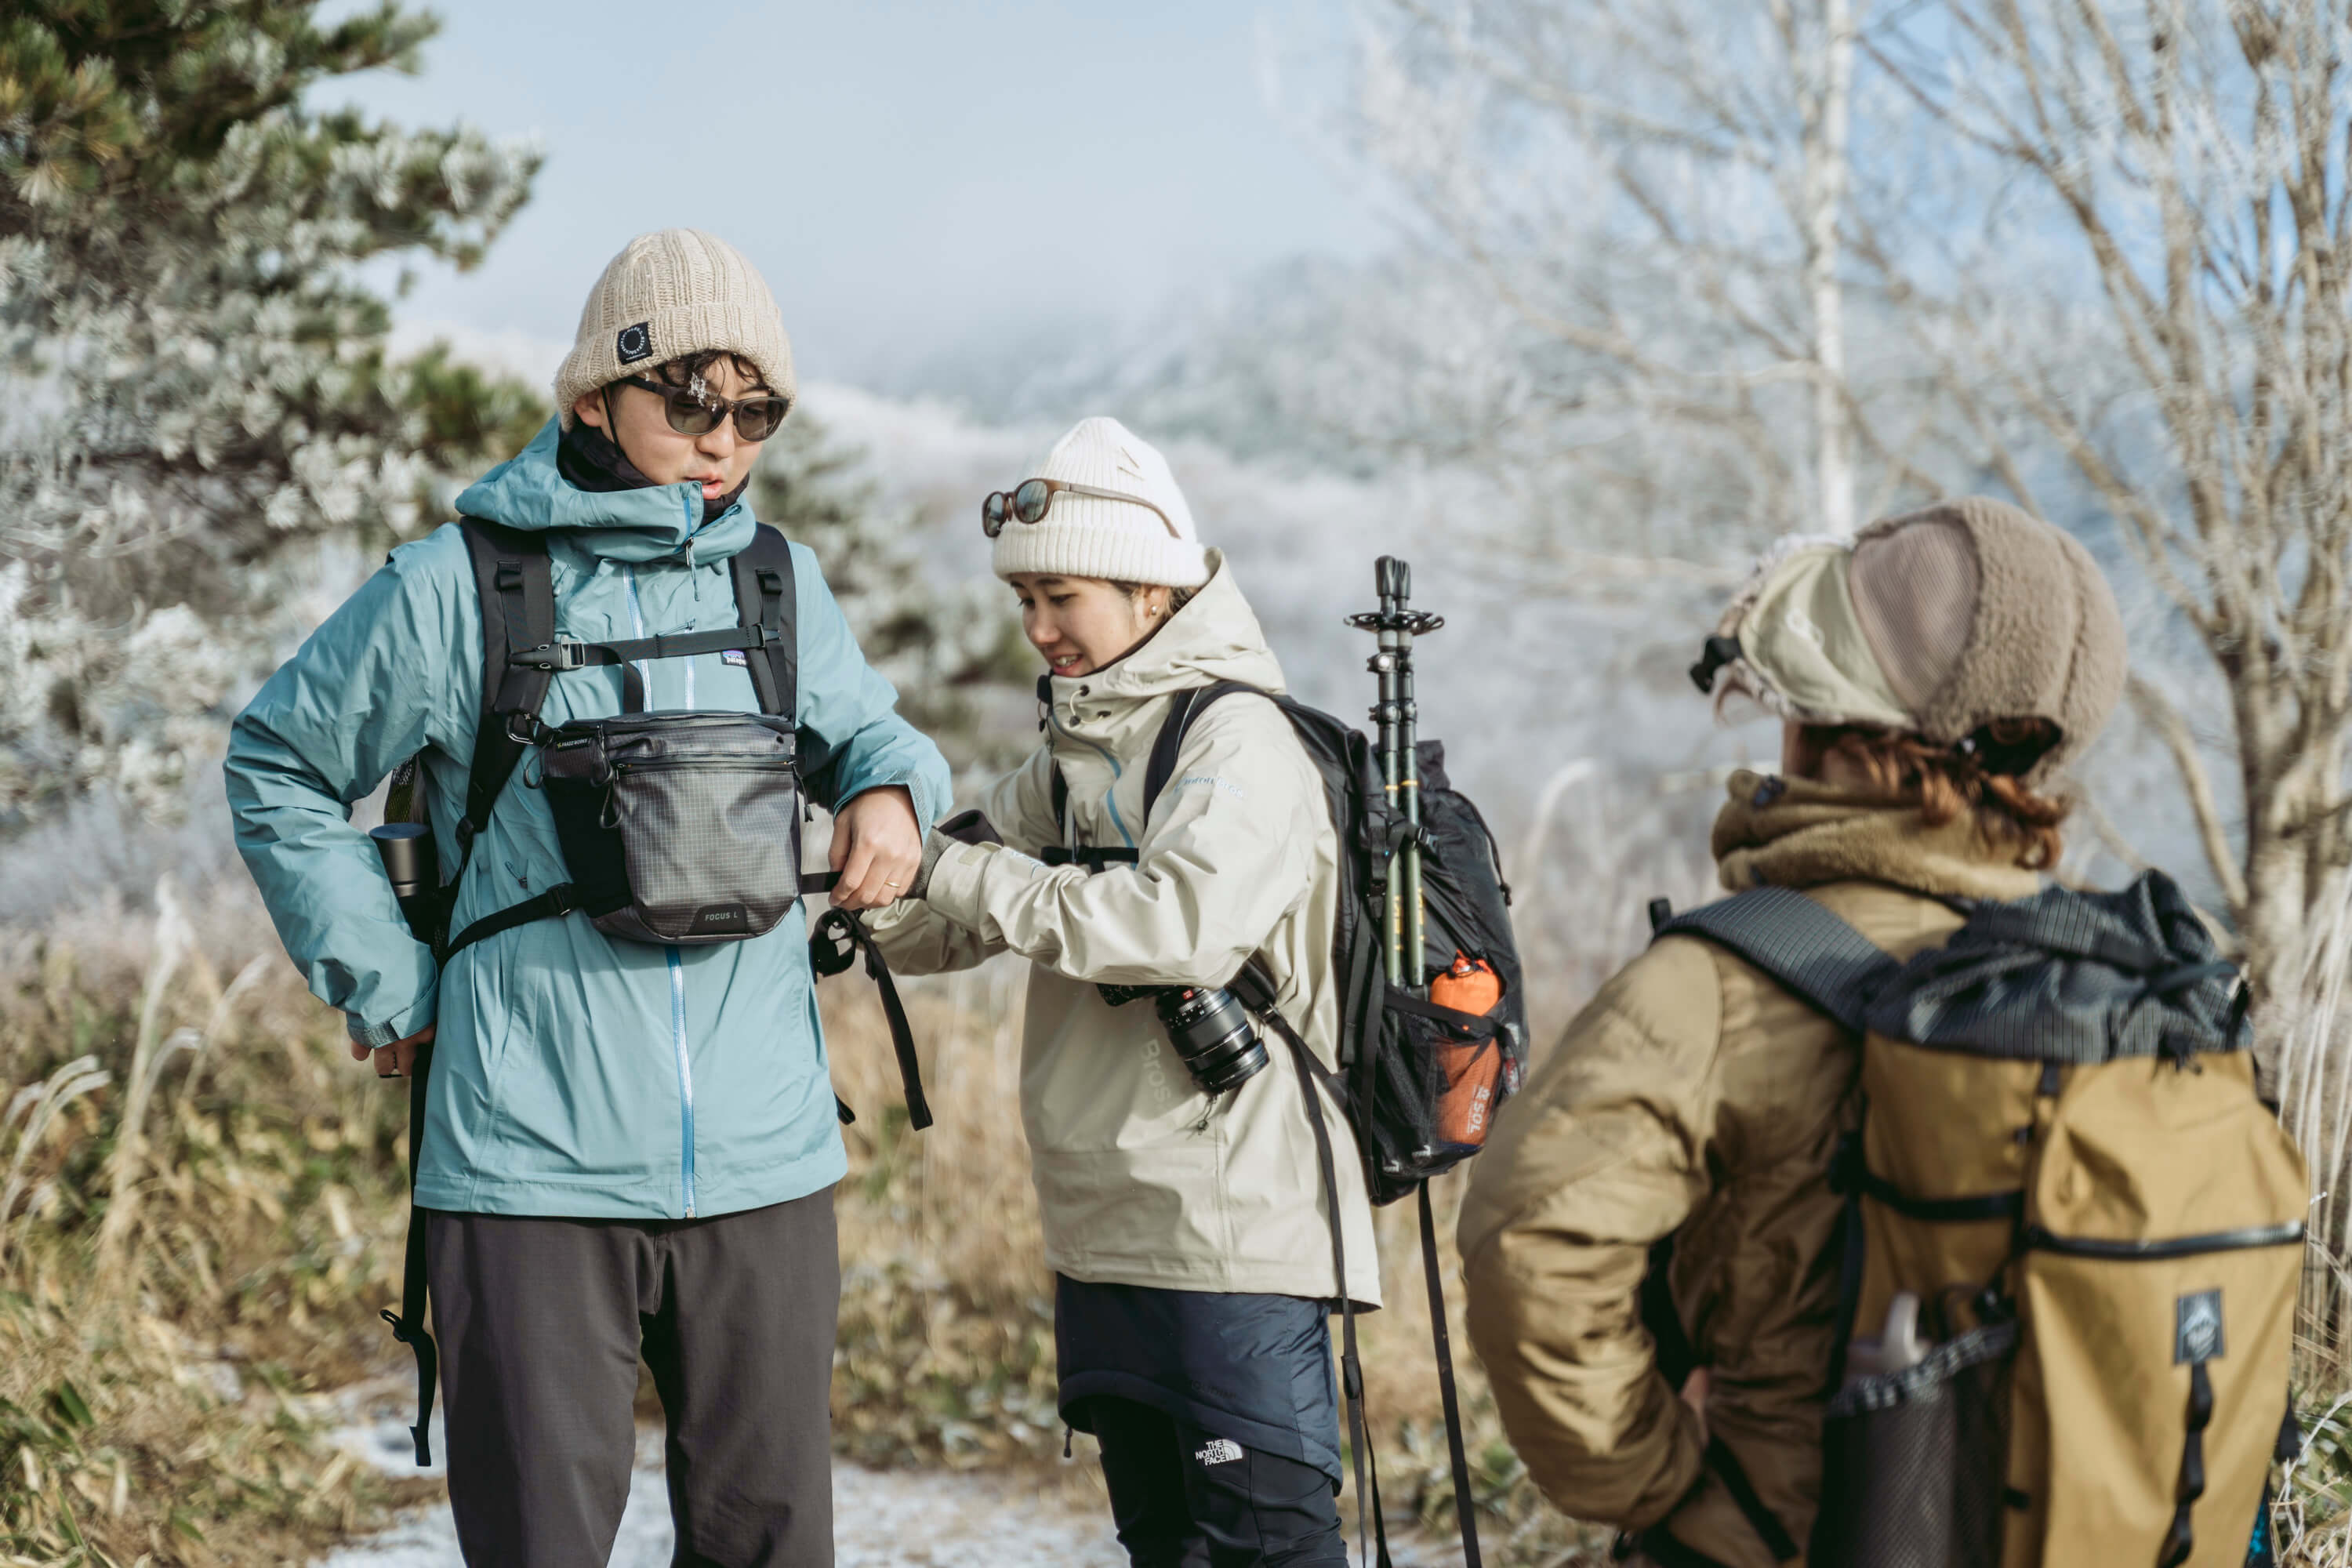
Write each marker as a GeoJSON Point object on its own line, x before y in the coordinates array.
{"type": "Point", "coordinates": [1220, 1451]}
{"type": "Point", "coordinates": [635, 343]}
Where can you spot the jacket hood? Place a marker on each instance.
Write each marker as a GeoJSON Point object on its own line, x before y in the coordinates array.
{"type": "Point", "coordinates": [1797, 833]}
{"type": "Point", "coordinates": [1215, 636]}
{"type": "Point", "coordinates": [655, 523]}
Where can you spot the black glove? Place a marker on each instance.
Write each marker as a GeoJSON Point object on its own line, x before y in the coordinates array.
{"type": "Point", "coordinates": [970, 828]}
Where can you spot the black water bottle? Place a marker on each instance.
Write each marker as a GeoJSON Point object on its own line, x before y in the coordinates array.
{"type": "Point", "coordinates": [409, 862]}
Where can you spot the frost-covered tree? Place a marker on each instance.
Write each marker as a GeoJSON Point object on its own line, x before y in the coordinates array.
{"type": "Point", "coordinates": [193, 377]}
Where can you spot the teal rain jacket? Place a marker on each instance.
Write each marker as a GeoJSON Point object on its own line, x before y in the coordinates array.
{"type": "Point", "coordinates": [573, 1074]}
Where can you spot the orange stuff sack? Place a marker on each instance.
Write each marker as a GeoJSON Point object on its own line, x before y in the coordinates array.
{"type": "Point", "coordinates": [1466, 1102]}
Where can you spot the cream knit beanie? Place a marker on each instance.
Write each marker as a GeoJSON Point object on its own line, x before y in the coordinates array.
{"type": "Point", "coordinates": [1081, 536]}
{"type": "Point", "coordinates": [667, 295]}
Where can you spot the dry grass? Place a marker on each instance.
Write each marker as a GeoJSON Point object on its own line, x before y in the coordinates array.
{"type": "Point", "coordinates": [171, 1305]}
{"type": "Point", "coordinates": [174, 1308]}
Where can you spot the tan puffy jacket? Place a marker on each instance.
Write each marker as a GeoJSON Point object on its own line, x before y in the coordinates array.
{"type": "Point", "coordinates": [1141, 1178]}
{"type": "Point", "coordinates": [1695, 1097]}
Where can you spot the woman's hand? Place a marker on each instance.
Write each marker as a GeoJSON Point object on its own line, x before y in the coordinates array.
{"type": "Point", "coordinates": [877, 847]}
{"type": "Point", "coordinates": [398, 1058]}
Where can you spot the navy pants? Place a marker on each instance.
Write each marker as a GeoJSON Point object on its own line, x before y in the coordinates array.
{"type": "Point", "coordinates": [1186, 1497]}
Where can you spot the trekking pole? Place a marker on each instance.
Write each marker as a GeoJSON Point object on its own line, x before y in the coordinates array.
{"type": "Point", "coordinates": [1397, 624]}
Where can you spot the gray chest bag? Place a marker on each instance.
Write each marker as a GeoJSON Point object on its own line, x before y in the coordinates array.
{"type": "Point", "coordinates": [677, 827]}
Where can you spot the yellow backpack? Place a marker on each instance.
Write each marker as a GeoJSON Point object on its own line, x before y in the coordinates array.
{"type": "Point", "coordinates": [2073, 1240]}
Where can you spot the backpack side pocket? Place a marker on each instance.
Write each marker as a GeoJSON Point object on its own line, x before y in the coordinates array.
{"type": "Point", "coordinates": [1912, 1461]}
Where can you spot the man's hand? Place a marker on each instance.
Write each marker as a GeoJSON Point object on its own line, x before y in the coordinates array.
{"type": "Point", "coordinates": [877, 847]}
{"type": "Point", "coordinates": [398, 1059]}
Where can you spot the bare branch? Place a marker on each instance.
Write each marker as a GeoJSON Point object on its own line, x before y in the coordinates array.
{"type": "Point", "coordinates": [2212, 830]}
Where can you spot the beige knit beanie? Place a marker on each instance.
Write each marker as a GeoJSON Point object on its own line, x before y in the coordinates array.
{"type": "Point", "coordinates": [1936, 623]}
{"type": "Point", "coordinates": [667, 295]}
{"type": "Point", "coordinates": [1081, 536]}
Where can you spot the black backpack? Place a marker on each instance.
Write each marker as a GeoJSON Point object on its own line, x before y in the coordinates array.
{"type": "Point", "coordinates": [520, 658]}
{"type": "Point", "coordinates": [1390, 1078]}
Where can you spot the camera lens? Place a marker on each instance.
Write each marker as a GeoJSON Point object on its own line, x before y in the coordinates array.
{"type": "Point", "coordinates": [1212, 1033]}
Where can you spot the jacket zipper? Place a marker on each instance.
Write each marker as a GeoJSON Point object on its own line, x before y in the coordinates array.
{"type": "Point", "coordinates": [676, 961]}
{"type": "Point", "coordinates": [685, 1077]}
{"type": "Point", "coordinates": [1111, 797]}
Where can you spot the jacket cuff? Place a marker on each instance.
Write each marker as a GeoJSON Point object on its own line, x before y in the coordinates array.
{"type": "Point", "coordinates": [918, 795]}
{"type": "Point", "coordinates": [955, 890]}
{"type": "Point", "coordinates": [399, 1026]}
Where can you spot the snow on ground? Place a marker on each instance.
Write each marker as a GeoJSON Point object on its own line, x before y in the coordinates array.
{"type": "Point", "coordinates": [882, 1519]}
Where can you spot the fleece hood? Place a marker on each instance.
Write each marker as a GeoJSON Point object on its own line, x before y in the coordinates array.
{"type": "Point", "coordinates": [659, 523]}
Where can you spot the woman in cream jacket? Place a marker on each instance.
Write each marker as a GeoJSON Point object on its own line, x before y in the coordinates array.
{"type": "Point", "coordinates": [1190, 1233]}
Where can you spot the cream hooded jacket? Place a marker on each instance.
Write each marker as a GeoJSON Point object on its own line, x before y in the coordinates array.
{"type": "Point", "coordinates": [1142, 1179]}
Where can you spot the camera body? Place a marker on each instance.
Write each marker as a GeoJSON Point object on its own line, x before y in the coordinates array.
{"type": "Point", "coordinates": [1214, 1034]}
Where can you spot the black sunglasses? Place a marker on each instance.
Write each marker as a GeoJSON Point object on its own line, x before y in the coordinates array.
{"type": "Point", "coordinates": [1029, 501]}
{"type": "Point", "coordinates": [697, 413]}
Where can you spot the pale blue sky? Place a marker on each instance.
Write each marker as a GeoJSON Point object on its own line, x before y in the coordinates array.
{"type": "Point", "coordinates": [912, 178]}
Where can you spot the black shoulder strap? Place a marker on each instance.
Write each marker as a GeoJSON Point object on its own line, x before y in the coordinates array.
{"type": "Point", "coordinates": [1183, 710]}
{"type": "Point", "coordinates": [1799, 942]}
{"type": "Point", "coordinates": [766, 598]}
{"type": "Point", "coordinates": [518, 605]}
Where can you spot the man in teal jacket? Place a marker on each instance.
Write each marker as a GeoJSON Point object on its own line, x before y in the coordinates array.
{"type": "Point", "coordinates": [629, 1148]}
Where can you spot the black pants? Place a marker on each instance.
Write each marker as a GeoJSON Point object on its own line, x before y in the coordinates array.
{"type": "Point", "coordinates": [541, 1323]}
{"type": "Point", "coordinates": [1185, 1498]}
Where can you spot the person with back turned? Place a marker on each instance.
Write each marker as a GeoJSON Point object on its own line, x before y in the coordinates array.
{"type": "Point", "coordinates": [630, 1140]}
{"type": "Point", "coordinates": [1934, 675]}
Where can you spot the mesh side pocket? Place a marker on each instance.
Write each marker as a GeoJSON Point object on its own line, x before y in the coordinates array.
{"type": "Point", "coordinates": [1418, 1060]}
{"type": "Point", "coordinates": [1912, 1462]}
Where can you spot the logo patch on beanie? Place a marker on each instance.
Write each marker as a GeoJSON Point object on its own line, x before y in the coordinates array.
{"type": "Point", "coordinates": [635, 343]}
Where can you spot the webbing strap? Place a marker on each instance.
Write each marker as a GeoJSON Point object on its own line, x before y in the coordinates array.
{"type": "Point", "coordinates": [516, 597]}
{"type": "Point", "coordinates": [566, 653]}
{"type": "Point", "coordinates": [561, 899]}
{"type": "Point", "coordinates": [1799, 942]}
{"type": "Point", "coordinates": [838, 933]}
{"type": "Point", "coordinates": [1734, 1476]}
{"type": "Point", "coordinates": [766, 598]}
{"type": "Point", "coordinates": [1465, 1507]}
{"type": "Point", "coordinates": [408, 1324]}
{"type": "Point", "coordinates": [1352, 1366]}
{"type": "Point", "coordinates": [1474, 1026]}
